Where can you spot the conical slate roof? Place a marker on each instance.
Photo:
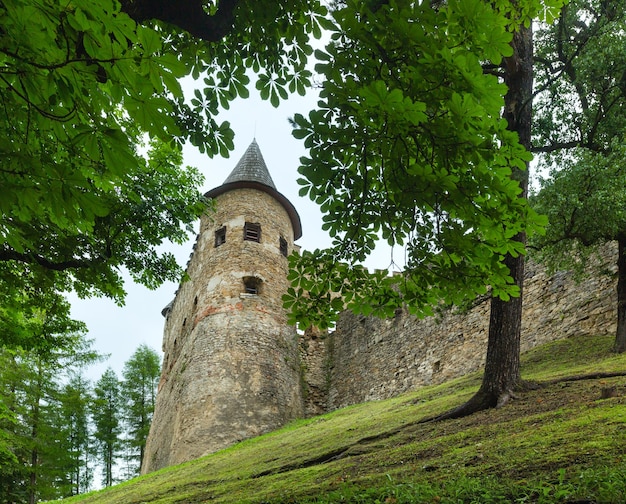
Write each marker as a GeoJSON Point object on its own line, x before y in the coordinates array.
{"type": "Point", "coordinates": [251, 171]}
{"type": "Point", "coordinates": [251, 168]}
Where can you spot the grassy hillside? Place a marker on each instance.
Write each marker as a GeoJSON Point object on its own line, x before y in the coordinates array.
{"type": "Point", "coordinates": [560, 443]}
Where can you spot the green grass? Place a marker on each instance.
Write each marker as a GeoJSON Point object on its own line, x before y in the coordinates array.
{"type": "Point", "coordinates": [560, 443]}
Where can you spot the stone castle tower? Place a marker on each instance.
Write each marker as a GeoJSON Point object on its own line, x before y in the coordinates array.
{"type": "Point", "coordinates": [231, 366]}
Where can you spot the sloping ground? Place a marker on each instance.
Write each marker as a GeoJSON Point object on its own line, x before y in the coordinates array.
{"type": "Point", "coordinates": [560, 443]}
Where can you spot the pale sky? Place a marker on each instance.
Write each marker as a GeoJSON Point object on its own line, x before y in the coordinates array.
{"type": "Point", "coordinates": [118, 331]}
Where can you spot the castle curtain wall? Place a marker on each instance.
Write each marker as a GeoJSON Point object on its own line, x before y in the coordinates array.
{"type": "Point", "coordinates": [373, 359]}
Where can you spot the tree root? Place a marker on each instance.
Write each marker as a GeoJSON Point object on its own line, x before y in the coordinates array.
{"type": "Point", "coordinates": [590, 376]}
{"type": "Point", "coordinates": [525, 386]}
{"type": "Point", "coordinates": [504, 398]}
{"type": "Point", "coordinates": [482, 400]}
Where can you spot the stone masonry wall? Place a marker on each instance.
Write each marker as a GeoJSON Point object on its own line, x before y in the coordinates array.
{"type": "Point", "coordinates": [373, 359]}
{"type": "Point", "coordinates": [315, 362]}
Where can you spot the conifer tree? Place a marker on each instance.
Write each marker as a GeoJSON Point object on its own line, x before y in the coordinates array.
{"type": "Point", "coordinates": [41, 463]}
{"type": "Point", "coordinates": [75, 401]}
{"type": "Point", "coordinates": [141, 376]}
{"type": "Point", "coordinates": [107, 418]}
{"type": "Point", "coordinates": [13, 450]}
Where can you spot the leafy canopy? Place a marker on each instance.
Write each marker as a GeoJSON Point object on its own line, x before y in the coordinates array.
{"type": "Point", "coordinates": [83, 86]}
{"type": "Point", "coordinates": [580, 129]}
{"type": "Point", "coordinates": [408, 145]}
{"type": "Point", "coordinates": [585, 201]}
{"type": "Point", "coordinates": [82, 82]}
{"type": "Point", "coordinates": [580, 65]}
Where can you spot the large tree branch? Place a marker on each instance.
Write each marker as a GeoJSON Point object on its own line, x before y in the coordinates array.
{"type": "Point", "coordinates": [189, 15]}
{"type": "Point", "coordinates": [557, 146]}
{"type": "Point", "coordinates": [12, 255]}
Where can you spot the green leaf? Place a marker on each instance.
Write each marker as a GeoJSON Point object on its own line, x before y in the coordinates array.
{"type": "Point", "coordinates": [149, 39]}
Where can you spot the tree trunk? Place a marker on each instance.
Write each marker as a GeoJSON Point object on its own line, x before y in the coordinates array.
{"type": "Point", "coordinates": [502, 366]}
{"type": "Point", "coordinates": [620, 335]}
{"type": "Point", "coordinates": [34, 438]}
{"type": "Point", "coordinates": [32, 481]}
{"type": "Point", "coordinates": [109, 466]}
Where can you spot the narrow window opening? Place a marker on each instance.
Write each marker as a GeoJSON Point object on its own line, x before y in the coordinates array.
{"type": "Point", "coordinates": [252, 232]}
{"type": "Point", "coordinates": [220, 236]}
{"type": "Point", "coordinates": [282, 245]}
{"type": "Point", "coordinates": [252, 285]}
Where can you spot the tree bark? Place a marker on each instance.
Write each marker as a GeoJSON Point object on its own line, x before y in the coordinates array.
{"type": "Point", "coordinates": [502, 367]}
{"type": "Point", "coordinates": [620, 335]}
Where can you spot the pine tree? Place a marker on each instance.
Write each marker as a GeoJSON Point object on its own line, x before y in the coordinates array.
{"type": "Point", "coordinates": [40, 424]}
{"type": "Point", "coordinates": [13, 468]}
{"type": "Point", "coordinates": [141, 376]}
{"type": "Point", "coordinates": [106, 415]}
{"type": "Point", "coordinates": [75, 402]}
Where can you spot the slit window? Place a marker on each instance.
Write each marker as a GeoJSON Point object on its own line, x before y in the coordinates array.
{"type": "Point", "coordinates": [252, 232]}
{"type": "Point", "coordinates": [282, 245]}
{"type": "Point", "coordinates": [252, 285]}
{"type": "Point", "coordinates": [220, 236]}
